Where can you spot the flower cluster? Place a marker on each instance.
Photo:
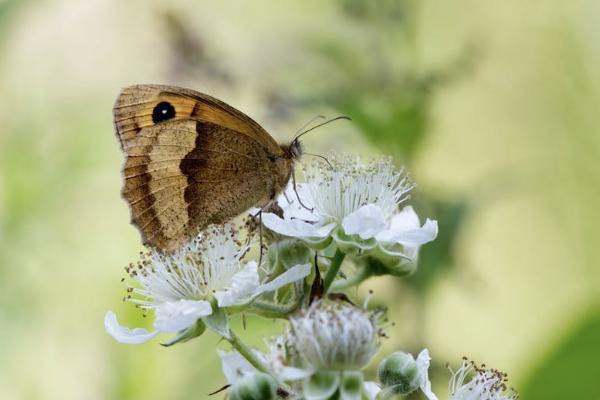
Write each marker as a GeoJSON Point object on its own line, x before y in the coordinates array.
{"type": "Point", "coordinates": [344, 210]}
{"type": "Point", "coordinates": [356, 206]}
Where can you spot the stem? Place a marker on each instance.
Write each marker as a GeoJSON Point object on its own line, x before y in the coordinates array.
{"type": "Point", "coordinates": [333, 270]}
{"type": "Point", "coordinates": [247, 353]}
{"type": "Point", "coordinates": [361, 275]}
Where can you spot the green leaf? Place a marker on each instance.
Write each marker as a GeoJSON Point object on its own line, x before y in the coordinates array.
{"type": "Point", "coordinates": [571, 370]}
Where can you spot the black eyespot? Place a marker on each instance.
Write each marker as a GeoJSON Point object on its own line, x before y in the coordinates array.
{"type": "Point", "coordinates": [162, 112]}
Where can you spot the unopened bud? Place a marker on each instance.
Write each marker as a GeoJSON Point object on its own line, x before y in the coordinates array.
{"type": "Point", "coordinates": [400, 373]}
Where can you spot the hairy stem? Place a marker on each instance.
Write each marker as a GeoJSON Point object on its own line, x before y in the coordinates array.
{"type": "Point", "coordinates": [336, 264]}
{"type": "Point", "coordinates": [247, 353]}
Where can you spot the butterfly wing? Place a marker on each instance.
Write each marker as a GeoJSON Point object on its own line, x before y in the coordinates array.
{"type": "Point", "coordinates": [190, 163]}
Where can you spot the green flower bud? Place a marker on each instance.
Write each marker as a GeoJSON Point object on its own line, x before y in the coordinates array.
{"type": "Point", "coordinates": [285, 254]}
{"type": "Point", "coordinates": [256, 386]}
{"type": "Point", "coordinates": [400, 373]}
{"type": "Point", "coordinates": [382, 263]}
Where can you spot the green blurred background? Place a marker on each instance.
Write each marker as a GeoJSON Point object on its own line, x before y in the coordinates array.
{"type": "Point", "coordinates": [492, 105]}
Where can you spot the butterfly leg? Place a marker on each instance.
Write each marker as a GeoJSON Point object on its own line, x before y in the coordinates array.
{"type": "Point", "coordinates": [260, 234]}
{"type": "Point", "coordinates": [296, 191]}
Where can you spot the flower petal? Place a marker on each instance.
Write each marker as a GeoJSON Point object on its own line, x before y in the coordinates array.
{"type": "Point", "coordinates": [234, 366]}
{"type": "Point", "coordinates": [293, 274]}
{"type": "Point", "coordinates": [123, 334]}
{"type": "Point", "coordinates": [243, 284]}
{"type": "Point", "coordinates": [175, 316]}
{"type": "Point", "coordinates": [366, 222]}
{"type": "Point", "coordinates": [372, 389]}
{"type": "Point", "coordinates": [423, 360]}
{"type": "Point", "coordinates": [296, 227]}
{"type": "Point", "coordinates": [405, 229]}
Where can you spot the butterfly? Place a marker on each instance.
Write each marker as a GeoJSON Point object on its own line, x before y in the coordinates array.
{"type": "Point", "coordinates": [191, 160]}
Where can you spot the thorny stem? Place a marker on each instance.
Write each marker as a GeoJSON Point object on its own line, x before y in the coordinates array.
{"type": "Point", "coordinates": [361, 275]}
{"type": "Point", "coordinates": [334, 268]}
{"type": "Point", "coordinates": [247, 353]}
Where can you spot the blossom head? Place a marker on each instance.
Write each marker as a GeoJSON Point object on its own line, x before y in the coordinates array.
{"type": "Point", "coordinates": [206, 274]}
{"type": "Point", "coordinates": [473, 382]}
{"type": "Point", "coordinates": [356, 205]}
{"type": "Point", "coordinates": [335, 336]}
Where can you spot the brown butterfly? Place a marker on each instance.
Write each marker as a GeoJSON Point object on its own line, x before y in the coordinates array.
{"type": "Point", "coordinates": [192, 160]}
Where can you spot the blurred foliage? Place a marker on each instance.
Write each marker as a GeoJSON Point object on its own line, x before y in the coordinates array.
{"type": "Point", "coordinates": [570, 371]}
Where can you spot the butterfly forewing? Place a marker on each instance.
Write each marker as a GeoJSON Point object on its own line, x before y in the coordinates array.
{"type": "Point", "coordinates": [190, 160]}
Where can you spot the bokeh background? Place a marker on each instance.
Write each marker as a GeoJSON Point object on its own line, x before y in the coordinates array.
{"type": "Point", "coordinates": [492, 105]}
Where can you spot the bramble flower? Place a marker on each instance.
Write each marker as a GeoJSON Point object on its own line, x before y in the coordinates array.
{"type": "Point", "coordinates": [354, 204]}
{"type": "Point", "coordinates": [197, 282]}
{"type": "Point", "coordinates": [333, 342]}
{"type": "Point", "coordinates": [472, 382]}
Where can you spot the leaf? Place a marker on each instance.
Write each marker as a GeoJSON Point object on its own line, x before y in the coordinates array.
{"type": "Point", "coordinates": [570, 371]}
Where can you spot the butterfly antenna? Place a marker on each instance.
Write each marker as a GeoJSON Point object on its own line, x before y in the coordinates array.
{"type": "Point", "coordinates": [313, 119]}
{"type": "Point", "coordinates": [321, 157]}
{"type": "Point", "coordinates": [299, 135]}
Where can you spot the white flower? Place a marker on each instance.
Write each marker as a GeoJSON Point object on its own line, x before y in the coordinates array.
{"type": "Point", "coordinates": [472, 382]}
{"type": "Point", "coordinates": [179, 287]}
{"type": "Point", "coordinates": [354, 204]}
{"type": "Point", "coordinates": [335, 336]}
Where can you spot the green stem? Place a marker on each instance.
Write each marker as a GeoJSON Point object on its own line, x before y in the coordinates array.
{"type": "Point", "coordinates": [246, 352]}
{"type": "Point", "coordinates": [334, 268]}
{"type": "Point", "coordinates": [361, 275]}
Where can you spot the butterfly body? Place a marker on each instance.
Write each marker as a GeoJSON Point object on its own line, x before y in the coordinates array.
{"type": "Point", "coordinates": [192, 160]}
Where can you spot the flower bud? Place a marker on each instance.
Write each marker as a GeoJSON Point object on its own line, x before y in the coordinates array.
{"type": "Point", "coordinates": [381, 263]}
{"type": "Point", "coordinates": [400, 373]}
{"type": "Point", "coordinates": [287, 253]}
{"type": "Point", "coordinates": [255, 386]}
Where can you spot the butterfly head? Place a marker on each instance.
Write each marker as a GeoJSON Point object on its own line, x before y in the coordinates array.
{"type": "Point", "coordinates": [294, 150]}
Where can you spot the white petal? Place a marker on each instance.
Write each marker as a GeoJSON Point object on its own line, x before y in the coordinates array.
{"type": "Point", "coordinates": [175, 316]}
{"type": "Point", "coordinates": [123, 334]}
{"type": "Point", "coordinates": [291, 275]}
{"type": "Point", "coordinates": [366, 222]}
{"type": "Point", "coordinates": [296, 227]}
{"type": "Point", "coordinates": [292, 373]}
{"type": "Point", "coordinates": [423, 360]}
{"type": "Point", "coordinates": [243, 284]}
{"type": "Point", "coordinates": [407, 218]}
{"type": "Point", "coordinates": [234, 365]}
{"type": "Point", "coordinates": [292, 209]}
{"type": "Point", "coordinates": [405, 229]}
{"type": "Point", "coordinates": [372, 389]}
